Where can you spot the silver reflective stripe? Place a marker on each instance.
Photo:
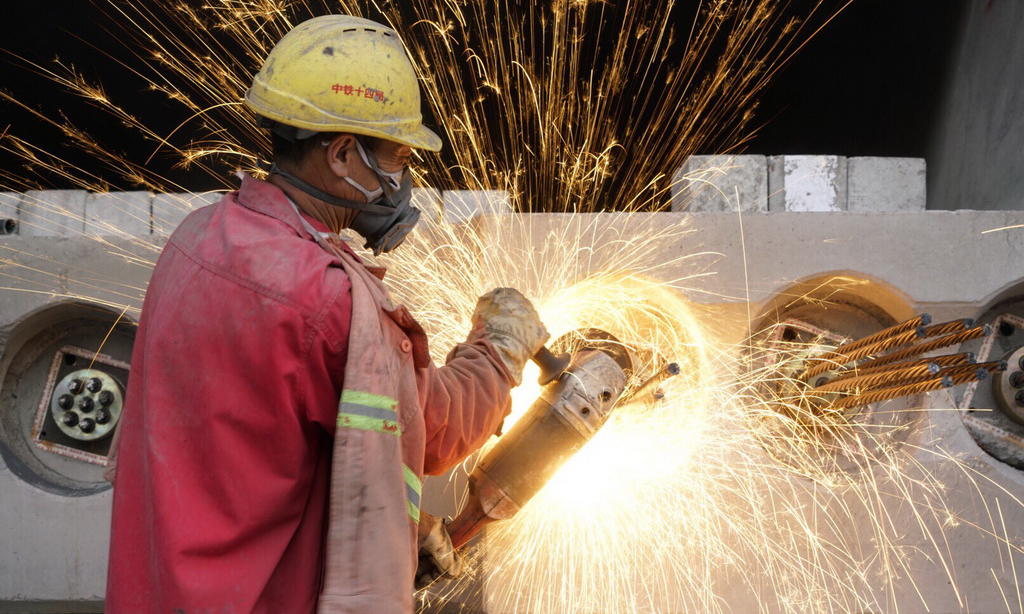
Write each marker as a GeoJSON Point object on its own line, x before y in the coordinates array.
{"type": "Point", "coordinates": [379, 413]}
{"type": "Point", "coordinates": [414, 497]}
{"type": "Point", "coordinates": [413, 486]}
{"type": "Point", "coordinates": [368, 412]}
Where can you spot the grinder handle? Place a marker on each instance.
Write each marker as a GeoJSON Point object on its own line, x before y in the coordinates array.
{"type": "Point", "coordinates": [551, 366]}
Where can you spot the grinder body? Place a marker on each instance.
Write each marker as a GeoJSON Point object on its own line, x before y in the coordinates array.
{"type": "Point", "coordinates": [566, 415]}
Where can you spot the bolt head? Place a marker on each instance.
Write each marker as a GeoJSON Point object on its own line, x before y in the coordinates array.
{"type": "Point", "coordinates": [102, 415]}
{"type": "Point", "coordinates": [94, 384]}
{"type": "Point", "coordinates": [87, 425]}
{"type": "Point", "coordinates": [66, 401]}
{"type": "Point", "coordinates": [106, 398]}
{"type": "Point", "coordinates": [85, 404]}
{"type": "Point", "coordinates": [1019, 398]}
{"type": "Point", "coordinates": [1017, 379]}
{"type": "Point", "coordinates": [69, 418]}
{"type": "Point", "coordinates": [75, 386]}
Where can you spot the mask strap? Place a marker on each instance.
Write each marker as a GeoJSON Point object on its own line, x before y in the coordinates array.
{"type": "Point", "coordinates": [369, 195]}
{"type": "Point", "coordinates": [273, 169]}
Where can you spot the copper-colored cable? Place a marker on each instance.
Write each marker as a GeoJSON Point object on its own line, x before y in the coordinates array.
{"type": "Point", "coordinates": [881, 378]}
{"type": "Point", "coordinates": [870, 368]}
{"type": "Point", "coordinates": [946, 328]}
{"type": "Point", "coordinates": [993, 366]}
{"type": "Point", "coordinates": [954, 376]}
{"type": "Point", "coordinates": [830, 359]}
{"type": "Point", "coordinates": [875, 348]}
{"type": "Point", "coordinates": [895, 392]}
{"type": "Point", "coordinates": [839, 356]}
{"type": "Point", "coordinates": [954, 360]}
{"type": "Point", "coordinates": [912, 324]}
{"type": "Point", "coordinates": [931, 346]}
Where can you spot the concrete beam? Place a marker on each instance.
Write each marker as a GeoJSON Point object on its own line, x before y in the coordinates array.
{"type": "Point", "coordinates": [940, 262]}
{"type": "Point", "coordinates": [118, 213]}
{"type": "Point", "coordinates": [170, 209]}
{"type": "Point", "coordinates": [54, 547]}
{"type": "Point", "coordinates": [10, 202]}
{"type": "Point", "coordinates": [53, 213]}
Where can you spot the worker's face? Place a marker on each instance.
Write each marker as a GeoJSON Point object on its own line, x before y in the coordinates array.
{"type": "Point", "coordinates": [392, 159]}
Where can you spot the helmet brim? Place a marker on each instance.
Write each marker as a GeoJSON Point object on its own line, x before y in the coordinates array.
{"type": "Point", "coordinates": [423, 138]}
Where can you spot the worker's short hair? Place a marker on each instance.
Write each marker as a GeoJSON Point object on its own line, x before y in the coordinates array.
{"type": "Point", "coordinates": [294, 152]}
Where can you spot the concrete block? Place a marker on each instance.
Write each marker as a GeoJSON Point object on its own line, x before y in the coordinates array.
{"type": "Point", "coordinates": [170, 209]}
{"type": "Point", "coordinates": [118, 213]}
{"type": "Point", "coordinates": [9, 203]}
{"type": "Point", "coordinates": [463, 205]}
{"type": "Point", "coordinates": [886, 184]}
{"type": "Point", "coordinates": [807, 183]}
{"type": "Point", "coordinates": [721, 184]}
{"type": "Point", "coordinates": [53, 213]}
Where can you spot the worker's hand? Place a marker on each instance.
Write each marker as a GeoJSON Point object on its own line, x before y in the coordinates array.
{"type": "Point", "coordinates": [438, 558]}
{"type": "Point", "coordinates": [512, 326]}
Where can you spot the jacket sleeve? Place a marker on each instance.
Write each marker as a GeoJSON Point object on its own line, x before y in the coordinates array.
{"type": "Point", "coordinates": [464, 402]}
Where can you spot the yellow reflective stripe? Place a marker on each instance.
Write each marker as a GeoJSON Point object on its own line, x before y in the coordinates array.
{"type": "Point", "coordinates": [368, 399]}
{"type": "Point", "coordinates": [366, 423]}
{"type": "Point", "coordinates": [368, 412]}
{"type": "Point", "coordinates": [413, 490]}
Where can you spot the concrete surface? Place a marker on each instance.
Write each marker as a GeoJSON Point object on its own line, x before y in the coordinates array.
{"type": "Point", "coordinates": [463, 205]}
{"type": "Point", "coordinates": [9, 203]}
{"type": "Point", "coordinates": [54, 546]}
{"type": "Point", "coordinates": [806, 183]}
{"type": "Point", "coordinates": [939, 262]}
{"type": "Point", "coordinates": [721, 184]}
{"type": "Point", "coordinates": [892, 184]}
{"type": "Point", "coordinates": [975, 157]}
{"type": "Point", "coordinates": [118, 213]}
{"type": "Point", "coordinates": [170, 209]}
{"type": "Point", "coordinates": [52, 213]}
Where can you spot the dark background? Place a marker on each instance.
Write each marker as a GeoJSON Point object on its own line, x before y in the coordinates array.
{"type": "Point", "coordinates": [868, 84]}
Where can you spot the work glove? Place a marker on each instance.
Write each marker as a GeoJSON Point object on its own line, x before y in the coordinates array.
{"type": "Point", "coordinates": [512, 326]}
{"type": "Point", "coordinates": [438, 558]}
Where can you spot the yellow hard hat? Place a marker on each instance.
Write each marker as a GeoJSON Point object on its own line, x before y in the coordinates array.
{"type": "Point", "coordinates": [339, 73]}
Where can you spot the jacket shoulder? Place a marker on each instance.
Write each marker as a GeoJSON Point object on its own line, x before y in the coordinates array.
{"type": "Point", "coordinates": [264, 254]}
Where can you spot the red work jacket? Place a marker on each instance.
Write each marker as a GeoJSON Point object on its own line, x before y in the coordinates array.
{"type": "Point", "coordinates": [224, 458]}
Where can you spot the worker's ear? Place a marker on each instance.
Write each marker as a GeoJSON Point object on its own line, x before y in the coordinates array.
{"type": "Point", "coordinates": [341, 151]}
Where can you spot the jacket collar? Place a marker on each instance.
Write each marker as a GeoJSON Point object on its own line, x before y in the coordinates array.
{"type": "Point", "coordinates": [270, 200]}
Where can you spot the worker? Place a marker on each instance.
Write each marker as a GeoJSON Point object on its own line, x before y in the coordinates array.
{"type": "Point", "coordinates": [282, 411]}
